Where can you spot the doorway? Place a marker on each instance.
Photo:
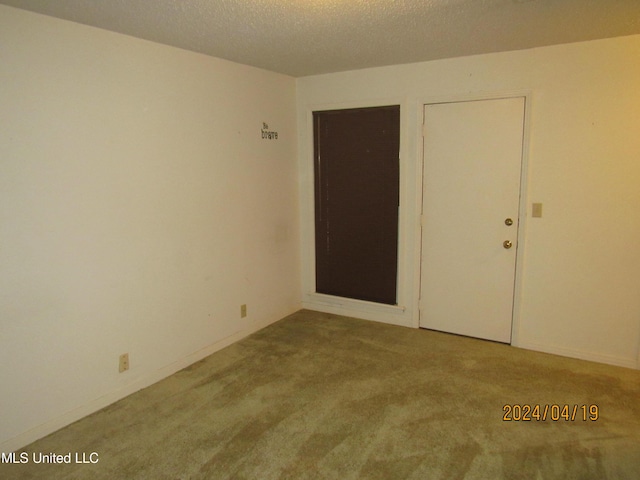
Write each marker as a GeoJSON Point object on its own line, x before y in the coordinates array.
{"type": "Point", "coordinates": [472, 153]}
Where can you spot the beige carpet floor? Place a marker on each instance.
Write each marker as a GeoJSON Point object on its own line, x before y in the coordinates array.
{"type": "Point", "coordinates": [318, 396]}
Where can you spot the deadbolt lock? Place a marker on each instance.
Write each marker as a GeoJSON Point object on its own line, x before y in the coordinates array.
{"type": "Point", "coordinates": [507, 244]}
{"type": "Point", "coordinates": [508, 222]}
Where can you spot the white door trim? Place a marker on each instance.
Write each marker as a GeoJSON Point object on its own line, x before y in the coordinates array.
{"type": "Point", "coordinates": [393, 314]}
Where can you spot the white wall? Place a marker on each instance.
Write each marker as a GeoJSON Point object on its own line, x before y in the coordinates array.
{"type": "Point", "coordinates": [139, 208]}
{"type": "Point", "coordinates": [579, 273]}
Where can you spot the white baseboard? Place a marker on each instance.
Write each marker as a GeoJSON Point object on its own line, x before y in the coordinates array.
{"type": "Point", "coordinates": [391, 314]}
{"type": "Point", "coordinates": [580, 354]}
{"type": "Point", "coordinates": [76, 414]}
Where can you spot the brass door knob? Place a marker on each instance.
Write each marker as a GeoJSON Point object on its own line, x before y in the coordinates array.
{"type": "Point", "coordinates": [508, 222]}
{"type": "Point", "coordinates": [507, 244]}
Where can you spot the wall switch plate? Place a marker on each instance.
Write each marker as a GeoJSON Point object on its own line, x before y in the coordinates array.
{"type": "Point", "coordinates": [243, 311]}
{"type": "Point", "coordinates": [124, 362]}
{"type": "Point", "coordinates": [536, 210]}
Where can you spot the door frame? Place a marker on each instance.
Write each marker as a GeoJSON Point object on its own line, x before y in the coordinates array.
{"type": "Point", "coordinates": [393, 314]}
{"type": "Point", "coordinates": [524, 196]}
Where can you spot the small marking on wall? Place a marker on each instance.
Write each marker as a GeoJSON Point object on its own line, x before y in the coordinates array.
{"type": "Point", "coordinates": [268, 134]}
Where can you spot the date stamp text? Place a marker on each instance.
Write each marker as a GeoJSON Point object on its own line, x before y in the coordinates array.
{"type": "Point", "coordinates": [555, 413]}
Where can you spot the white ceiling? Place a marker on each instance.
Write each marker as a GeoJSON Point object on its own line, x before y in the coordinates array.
{"type": "Point", "coordinates": [307, 37]}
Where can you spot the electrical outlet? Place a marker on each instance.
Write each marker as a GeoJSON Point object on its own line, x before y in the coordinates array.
{"type": "Point", "coordinates": [124, 362]}
{"type": "Point", "coordinates": [243, 311]}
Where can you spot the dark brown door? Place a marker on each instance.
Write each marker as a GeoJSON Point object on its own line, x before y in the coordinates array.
{"type": "Point", "coordinates": [356, 202]}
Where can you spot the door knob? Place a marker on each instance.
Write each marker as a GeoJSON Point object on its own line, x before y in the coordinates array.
{"type": "Point", "coordinates": [508, 222]}
{"type": "Point", "coordinates": [507, 244]}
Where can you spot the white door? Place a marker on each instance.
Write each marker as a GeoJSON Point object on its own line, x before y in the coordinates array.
{"type": "Point", "coordinates": [471, 196]}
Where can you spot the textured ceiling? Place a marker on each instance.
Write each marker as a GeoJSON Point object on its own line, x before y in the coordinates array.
{"type": "Point", "coordinates": [306, 37]}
